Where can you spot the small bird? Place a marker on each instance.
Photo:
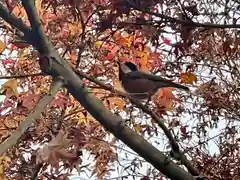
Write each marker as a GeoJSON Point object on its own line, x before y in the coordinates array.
{"type": "Point", "coordinates": [142, 85]}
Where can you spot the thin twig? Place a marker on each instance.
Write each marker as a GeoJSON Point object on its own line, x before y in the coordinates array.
{"type": "Point", "coordinates": [183, 22]}
{"type": "Point", "coordinates": [22, 76]}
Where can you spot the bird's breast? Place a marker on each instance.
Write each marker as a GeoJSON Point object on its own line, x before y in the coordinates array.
{"type": "Point", "coordinates": [141, 88]}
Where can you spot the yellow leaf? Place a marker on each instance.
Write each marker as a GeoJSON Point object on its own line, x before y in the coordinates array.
{"type": "Point", "coordinates": [98, 44]}
{"type": "Point", "coordinates": [85, 118]}
{"type": "Point", "coordinates": [188, 78]}
{"type": "Point", "coordinates": [118, 85]}
{"type": "Point", "coordinates": [143, 55]}
{"type": "Point", "coordinates": [11, 87]}
{"type": "Point", "coordinates": [5, 160]}
{"type": "Point", "coordinates": [75, 29]}
{"type": "Point", "coordinates": [2, 46]}
{"type": "Point", "coordinates": [82, 120]}
{"type": "Point", "coordinates": [137, 128]}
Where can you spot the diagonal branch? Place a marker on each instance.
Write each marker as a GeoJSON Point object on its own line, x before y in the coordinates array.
{"type": "Point", "coordinates": [22, 76]}
{"type": "Point", "coordinates": [184, 22]}
{"type": "Point", "coordinates": [13, 20]}
{"type": "Point", "coordinates": [39, 35]}
{"type": "Point", "coordinates": [16, 135]}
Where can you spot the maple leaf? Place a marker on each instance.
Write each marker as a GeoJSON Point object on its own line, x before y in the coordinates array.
{"type": "Point", "coordinates": [164, 98]}
{"type": "Point", "coordinates": [116, 101]}
{"type": "Point", "coordinates": [11, 4]}
{"type": "Point", "coordinates": [2, 46]}
{"type": "Point", "coordinates": [60, 101]}
{"type": "Point", "coordinates": [188, 78]}
{"type": "Point", "coordinates": [10, 87]}
{"type": "Point", "coordinates": [56, 150]}
{"type": "Point", "coordinates": [4, 162]}
{"type": "Point", "coordinates": [7, 61]}
{"type": "Point", "coordinates": [29, 100]}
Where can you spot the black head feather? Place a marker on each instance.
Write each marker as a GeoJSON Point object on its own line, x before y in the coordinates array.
{"type": "Point", "coordinates": [131, 66]}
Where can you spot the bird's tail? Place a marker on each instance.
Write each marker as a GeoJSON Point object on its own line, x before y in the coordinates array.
{"type": "Point", "coordinates": [168, 83]}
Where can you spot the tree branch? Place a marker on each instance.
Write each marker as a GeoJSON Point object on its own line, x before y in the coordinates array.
{"type": "Point", "coordinates": [13, 20]}
{"type": "Point", "coordinates": [184, 22]}
{"type": "Point", "coordinates": [13, 139]}
{"type": "Point", "coordinates": [22, 76]}
{"type": "Point", "coordinates": [37, 29]}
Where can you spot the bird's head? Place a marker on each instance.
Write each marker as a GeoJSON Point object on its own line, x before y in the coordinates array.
{"type": "Point", "coordinates": [127, 67]}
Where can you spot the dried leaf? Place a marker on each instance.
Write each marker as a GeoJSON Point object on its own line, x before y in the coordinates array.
{"type": "Point", "coordinates": [10, 87]}
{"type": "Point", "coordinates": [2, 46]}
{"type": "Point", "coordinates": [116, 102]}
{"type": "Point", "coordinates": [30, 99]}
{"type": "Point", "coordinates": [164, 98]}
{"type": "Point", "coordinates": [188, 78]}
{"type": "Point", "coordinates": [138, 128]}
{"type": "Point", "coordinates": [55, 150]}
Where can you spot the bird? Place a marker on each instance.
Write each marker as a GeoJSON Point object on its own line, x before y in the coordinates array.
{"type": "Point", "coordinates": [142, 85]}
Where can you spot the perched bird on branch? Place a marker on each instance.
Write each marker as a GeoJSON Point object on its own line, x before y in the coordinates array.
{"type": "Point", "coordinates": [142, 85]}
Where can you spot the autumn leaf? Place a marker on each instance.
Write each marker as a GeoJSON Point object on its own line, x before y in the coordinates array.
{"type": "Point", "coordinates": [116, 101]}
{"type": "Point", "coordinates": [164, 98]}
{"type": "Point", "coordinates": [56, 150]}
{"type": "Point", "coordinates": [7, 61]}
{"type": "Point", "coordinates": [138, 128]}
{"type": "Point", "coordinates": [11, 88]}
{"type": "Point", "coordinates": [4, 162]}
{"type": "Point", "coordinates": [85, 118]}
{"type": "Point", "coordinates": [2, 46]}
{"type": "Point", "coordinates": [143, 55]}
{"type": "Point", "coordinates": [30, 99]}
{"type": "Point", "coordinates": [60, 101]}
{"type": "Point", "coordinates": [188, 78]}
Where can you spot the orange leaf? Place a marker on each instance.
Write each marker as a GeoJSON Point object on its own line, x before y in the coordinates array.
{"type": "Point", "coordinates": [116, 101]}
{"type": "Point", "coordinates": [2, 46]}
{"type": "Point", "coordinates": [188, 78]}
{"type": "Point", "coordinates": [165, 98]}
{"type": "Point", "coordinates": [10, 87]}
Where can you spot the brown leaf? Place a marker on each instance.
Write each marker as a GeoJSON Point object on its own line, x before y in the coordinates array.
{"type": "Point", "coordinates": [56, 149]}
{"type": "Point", "coordinates": [30, 99]}
{"type": "Point", "coordinates": [188, 78]}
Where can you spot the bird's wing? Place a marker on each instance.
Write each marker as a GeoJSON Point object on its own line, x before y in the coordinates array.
{"type": "Point", "coordinates": [158, 79]}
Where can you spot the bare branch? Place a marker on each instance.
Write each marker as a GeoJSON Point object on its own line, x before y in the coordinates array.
{"type": "Point", "coordinates": [184, 22]}
{"type": "Point", "coordinates": [22, 76]}
{"type": "Point", "coordinates": [13, 20]}
{"type": "Point", "coordinates": [13, 139]}
{"type": "Point", "coordinates": [41, 40]}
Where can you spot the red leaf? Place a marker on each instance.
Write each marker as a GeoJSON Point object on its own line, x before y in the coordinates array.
{"type": "Point", "coordinates": [60, 101]}
{"type": "Point", "coordinates": [183, 130]}
{"type": "Point", "coordinates": [166, 41]}
{"type": "Point", "coordinates": [7, 61]}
